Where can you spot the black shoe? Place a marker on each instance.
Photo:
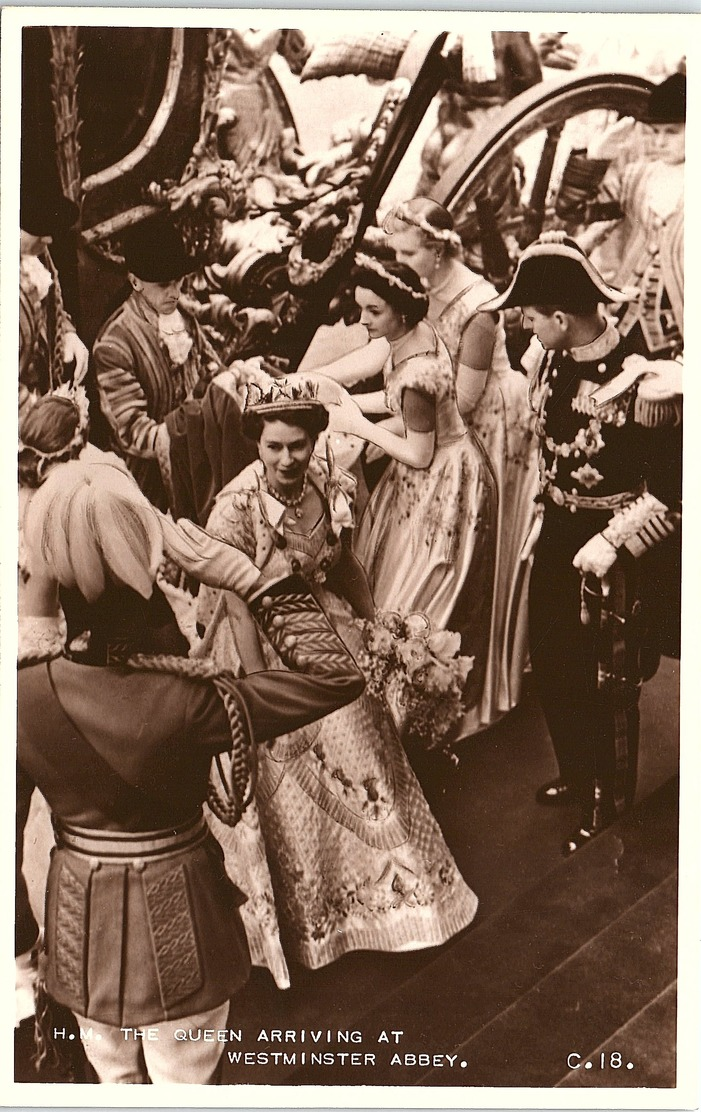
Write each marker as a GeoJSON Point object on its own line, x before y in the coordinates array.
{"type": "Point", "coordinates": [556, 793]}
{"type": "Point", "coordinates": [581, 838]}
{"type": "Point", "coordinates": [597, 817]}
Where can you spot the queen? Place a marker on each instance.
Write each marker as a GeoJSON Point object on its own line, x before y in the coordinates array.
{"type": "Point", "coordinates": [340, 851]}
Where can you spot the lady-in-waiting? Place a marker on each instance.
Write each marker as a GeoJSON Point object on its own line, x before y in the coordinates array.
{"type": "Point", "coordinates": [492, 400]}
{"type": "Point", "coordinates": [340, 825]}
{"type": "Point", "coordinates": [427, 537]}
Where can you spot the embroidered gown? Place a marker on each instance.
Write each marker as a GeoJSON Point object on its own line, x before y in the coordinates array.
{"type": "Point", "coordinates": [340, 851]}
{"type": "Point", "coordinates": [503, 421]}
{"type": "Point", "coordinates": [427, 538]}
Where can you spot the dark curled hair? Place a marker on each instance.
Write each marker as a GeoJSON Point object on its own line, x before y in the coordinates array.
{"type": "Point", "coordinates": [46, 429]}
{"type": "Point", "coordinates": [313, 421]}
{"type": "Point", "coordinates": [411, 308]}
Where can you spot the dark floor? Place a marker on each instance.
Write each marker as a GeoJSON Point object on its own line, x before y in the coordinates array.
{"type": "Point", "coordinates": [565, 957]}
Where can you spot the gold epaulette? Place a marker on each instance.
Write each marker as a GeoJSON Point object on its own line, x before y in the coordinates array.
{"type": "Point", "coordinates": [657, 413]}
{"type": "Point", "coordinates": [659, 397]}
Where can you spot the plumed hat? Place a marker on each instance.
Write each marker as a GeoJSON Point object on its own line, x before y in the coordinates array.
{"type": "Point", "coordinates": [555, 271]}
{"type": "Point", "coordinates": [667, 103]}
{"type": "Point", "coordinates": [89, 525]}
{"type": "Point", "coordinates": [44, 211]}
{"type": "Point", "coordinates": [154, 251]}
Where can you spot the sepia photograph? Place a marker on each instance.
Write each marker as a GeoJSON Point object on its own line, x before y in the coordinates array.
{"type": "Point", "coordinates": [348, 611]}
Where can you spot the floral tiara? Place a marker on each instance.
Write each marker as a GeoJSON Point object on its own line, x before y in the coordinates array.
{"type": "Point", "coordinates": [368, 263]}
{"type": "Point", "coordinates": [37, 460]}
{"type": "Point", "coordinates": [440, 235]}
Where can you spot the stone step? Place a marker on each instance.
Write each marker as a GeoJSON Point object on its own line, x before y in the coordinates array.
{"type": "Point", "coordinates": [488, 969]}
{"type": "Point", "coordinates": [650, 1041]}
{"type": "Point", "coordinates": [571, 1016]}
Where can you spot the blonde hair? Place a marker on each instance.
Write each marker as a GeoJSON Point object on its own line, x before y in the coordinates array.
{"type": "Point", "coordinates": [431, 218]}
{"type": "Point", "coordinates": [89, 523]}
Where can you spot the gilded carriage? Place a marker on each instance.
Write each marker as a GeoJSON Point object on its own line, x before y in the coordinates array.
{"type": "Point", "coordinates": [206, 124]}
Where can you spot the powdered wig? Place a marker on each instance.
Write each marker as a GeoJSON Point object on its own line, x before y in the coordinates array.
{"type": "Point", "coordinates": [88, 524]}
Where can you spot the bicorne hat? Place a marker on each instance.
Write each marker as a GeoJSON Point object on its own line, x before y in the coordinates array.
{"type": "Point", "coordinates": [667, 103]}
{"type": "Point", "coordinates": [555, 271]}
{"type": "Point", "coordinates": [154, 251]}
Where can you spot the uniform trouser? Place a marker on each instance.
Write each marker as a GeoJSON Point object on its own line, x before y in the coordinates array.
{"type": "Point", "coordinates": [594, 726]}
{"type": "Point", "coordinates": [119, 1056]}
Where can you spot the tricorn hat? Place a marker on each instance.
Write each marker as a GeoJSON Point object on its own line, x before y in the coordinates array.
{"type": "Point", "coordinates": [667, 103]}
{"type": "Point", "coordinates": [154, 251]}
{"type": "Point", "coordinates": [555, 271]}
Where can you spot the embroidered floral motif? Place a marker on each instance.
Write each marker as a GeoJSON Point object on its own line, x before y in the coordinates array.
{"type": "Point", "coordinates": [588, 476]}
{"type": "Point", "coordinates": [396, 889]}
{"type": "Point", "coordinates": [589, 440]}
{"type": "Point", "coordinates": [614, 412]}
{"type": "Point", "coordinates": [370, 797]}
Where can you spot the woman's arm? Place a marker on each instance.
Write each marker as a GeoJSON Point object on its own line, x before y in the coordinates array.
{"type": "Point", "coordinates": [474, 360]}
{"type": "Point", "coordinates": [415, 448]}
{"type": "Point", "coordinates": [394, 424]}
{"type": "Point", "coordinates": [357, 365]}
{"type": "Point", "coordinates": [348, 579]}
{"type": "Point", "coordinates": [371, 403]}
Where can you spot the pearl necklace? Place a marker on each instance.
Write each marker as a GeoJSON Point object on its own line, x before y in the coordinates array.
{"type": "Point", "coordinates": [291, 503]}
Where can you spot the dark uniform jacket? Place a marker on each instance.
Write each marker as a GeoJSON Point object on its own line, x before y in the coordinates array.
{"type": "Point", "coordinates": [120, 754]}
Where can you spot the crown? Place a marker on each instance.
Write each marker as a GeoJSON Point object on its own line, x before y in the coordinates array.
{"type": "Point", "coordinates": [281, 395]}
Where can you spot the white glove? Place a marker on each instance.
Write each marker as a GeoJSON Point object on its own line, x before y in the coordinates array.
{"type": "Point", "coordinates": [596, 557]}
{"type": "Point", "coordinates": [210, 560]}
{"type": "Point", "coordinates": [74, 348]}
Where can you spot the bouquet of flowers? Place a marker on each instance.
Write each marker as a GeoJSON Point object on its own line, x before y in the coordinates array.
{"type": "Point", "coordinates": [417, 671]}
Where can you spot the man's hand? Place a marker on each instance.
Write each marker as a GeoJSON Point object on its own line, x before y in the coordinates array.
{"type": "Point", "coordinates": [75, 349]}
{"type": "Point", "coordinates": [596, 557]}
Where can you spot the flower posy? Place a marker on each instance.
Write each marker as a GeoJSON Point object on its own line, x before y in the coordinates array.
{"type": "Point", "coordinates": [421, 671]}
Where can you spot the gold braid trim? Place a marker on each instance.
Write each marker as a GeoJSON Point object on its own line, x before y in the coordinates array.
{"type": "Point", "coordinates": [658, 413]}
{"type": "Point", "coordinates": [55, 326]}
{"type": "Point", "coordinates": [239, 786]}
{"type": "Point", "coordinates": [640, 525]}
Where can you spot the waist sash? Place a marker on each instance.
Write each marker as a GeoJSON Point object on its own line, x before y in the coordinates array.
{"type": "Point", "coordinates": [111, 845]}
